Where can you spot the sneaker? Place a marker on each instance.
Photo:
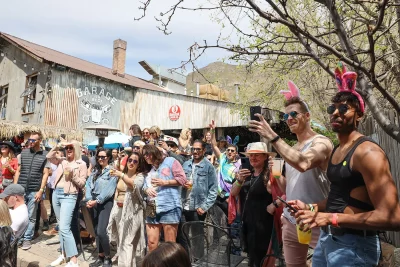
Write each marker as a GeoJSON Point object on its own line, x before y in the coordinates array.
{"type": "Point", "coordinates": [45, 225]}
{"type": "Point", "coordinates": [60, 260]}
{"type": "Point", "coordinates": [71, 264]}
{"type": "Point", "coordinates": [107, 262]}
{"type": "Point", "coordinates": [26, 245]}
{"type": "Point", "coordinates": [20, 242]}
{"type": "Point", "coordinates": [99, 262]}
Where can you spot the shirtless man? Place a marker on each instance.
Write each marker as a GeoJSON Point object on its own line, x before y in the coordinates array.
{"type": "Point", "coordinates": [362, 199]}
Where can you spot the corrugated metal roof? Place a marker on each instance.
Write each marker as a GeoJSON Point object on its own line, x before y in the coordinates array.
{"type": "Point", "coordinates": [79, 64]}
{"type": "Point", "coordinates": [156, 70]}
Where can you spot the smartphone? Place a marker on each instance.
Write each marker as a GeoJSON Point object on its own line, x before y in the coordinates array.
{"type": "Point", "coordinates": [63, 136]}
{"type": "Point", "coordinates": [246, 163]}
{"type": "Point", "coordinates": [161, 137]}
{"type": "Point", "coordinates": [253, 111]}
{"type": "Point", "coordinates": [287, 205]}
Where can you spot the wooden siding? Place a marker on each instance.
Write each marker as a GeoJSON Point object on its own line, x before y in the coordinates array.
{"type": "Point", "coordinates": [392, 149]}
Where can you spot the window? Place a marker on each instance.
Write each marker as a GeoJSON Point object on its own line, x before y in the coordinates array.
{"type": "Point", "coordinates": [3, 101]}
{"type": "Point", "coordinates": [29, 94]}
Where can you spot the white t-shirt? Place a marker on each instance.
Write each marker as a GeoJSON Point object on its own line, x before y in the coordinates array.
{"type": "Point", "coordinates": [19, 218]}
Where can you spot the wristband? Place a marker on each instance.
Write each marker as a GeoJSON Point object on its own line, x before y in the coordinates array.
{"type": "Point", "coordinates": [311, 207]}
{"type": "Point", "coordinates": [275, 204]}
{"type": "Point", "coordinates": [276, 138]}
{"type": "Point", "coordinates": [237, 183]}
{"type": "Point", "coordinates": [122, 176]}
{"type": "Point", "coordinates": [335, 220]}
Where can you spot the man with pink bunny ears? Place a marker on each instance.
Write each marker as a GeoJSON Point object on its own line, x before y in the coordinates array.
{"type": "Point", "coordinates": [363, 197]}
{"type": "Point", "coordinates": [305, 166]}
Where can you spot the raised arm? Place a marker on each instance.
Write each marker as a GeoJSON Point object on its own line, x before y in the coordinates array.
{"type": "Point", "coordinates": [215, 148]}
{"type": "Point", "coordinates": [317, 156]}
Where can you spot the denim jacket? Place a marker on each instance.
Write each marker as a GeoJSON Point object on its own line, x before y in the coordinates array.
{"type": "Point", "coordinates": [103, 188]}
{"type": "Point", "coordinates": [205, 185]}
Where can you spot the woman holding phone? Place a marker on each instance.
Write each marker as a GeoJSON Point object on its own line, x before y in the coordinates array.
{"type": "Point", "coordinates": [70, 178]}
{"type": "Point", "coordinates": [251, 187]}
{"type": "Point", "coordinates": [100, 188]}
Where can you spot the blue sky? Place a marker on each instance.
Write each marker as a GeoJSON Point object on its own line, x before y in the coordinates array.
{"type": "Point", "coordinates": [87, 29]}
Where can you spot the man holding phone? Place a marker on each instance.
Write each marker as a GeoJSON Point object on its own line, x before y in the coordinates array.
{"type": "Point", "coordinates": [306, 163]}
{"type": "Point", "coordinates": [227, 171]}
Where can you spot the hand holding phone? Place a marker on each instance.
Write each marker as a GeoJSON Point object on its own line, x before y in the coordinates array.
{"type": "Point", "coordinates": [254, 110]}
{"type": "Point", "coordinates": [288, 205]}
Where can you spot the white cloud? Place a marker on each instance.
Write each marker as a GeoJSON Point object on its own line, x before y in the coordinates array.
{"type": "Point", "coordinates": [87, 28]}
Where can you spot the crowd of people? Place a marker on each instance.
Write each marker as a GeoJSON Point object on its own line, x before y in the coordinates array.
{"type": "Point", "coordinates": [138, 199]}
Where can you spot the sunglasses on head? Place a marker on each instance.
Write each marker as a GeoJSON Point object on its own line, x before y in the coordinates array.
{"type": "Point", "coordinates": [134, 161]}
{"type": "Point", "coordinates": [342, 108]}
{"type": "Point", "coordinates": [101, 157]}
{"type": "Point", "coordinates": [136, 147]}
{"type": "Point", "coordinates": [292, 114]}
{"type": "Point", "coordinates": [69, 148]}
{"type": "Point", "coordinates": [231, 150]}
{"type": "Point", "coordinates": [196, 149]}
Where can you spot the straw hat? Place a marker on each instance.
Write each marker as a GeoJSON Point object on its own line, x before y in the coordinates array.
{"type": "Point", "coordinates": [257, 148]}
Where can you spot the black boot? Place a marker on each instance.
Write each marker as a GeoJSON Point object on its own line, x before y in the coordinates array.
{"type": "Point", "coordinates": [98, 262]}
{"type": "Point", "coordinates": [107, 262]}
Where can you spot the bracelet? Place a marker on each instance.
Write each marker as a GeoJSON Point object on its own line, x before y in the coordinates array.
{"type": "Point", "coordinates": [311, 207]}
{"type": "Point", "coordinates": [212, 131]}
{"type": "Point", "coordinates": [238, 184]}
{"type": "Point", "coordinates": [335, 220]}
{"type": "Point", "coordinates": [122, 176]}
{"type": "Point", "coordinates": [276, 138]}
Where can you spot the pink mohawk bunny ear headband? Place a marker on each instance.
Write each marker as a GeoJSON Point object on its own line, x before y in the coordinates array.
{"type": "Point", "coordinates": [294, 92]}
{"type": "Point", "coordinates": [346, 82]}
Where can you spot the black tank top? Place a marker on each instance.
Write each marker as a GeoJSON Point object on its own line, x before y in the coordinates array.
{"type": "Point", "coordinates": [343, 180]}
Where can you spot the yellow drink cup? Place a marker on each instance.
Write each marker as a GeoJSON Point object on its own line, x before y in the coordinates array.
{"type": "Point", "coordinates": [303, 237]}
{"type": "Point", "coordinates": [277, 168]}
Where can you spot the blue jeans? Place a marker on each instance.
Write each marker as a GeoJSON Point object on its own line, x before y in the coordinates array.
{"type": "Point", "coordinates": [64, 205]}
{"type": "Point", "coordinates": [32, 207]}
{"type": "Point", "coordinates": [346, 250]}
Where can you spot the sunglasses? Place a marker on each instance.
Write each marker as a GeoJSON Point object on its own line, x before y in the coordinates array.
{"type": "Point", "coordinates": [231, 150]}
{"type": "Point", "coordinates": [136, 147]}
{"type": "Point", "coordinates": [196, 149]}
{"type": "Point", "coordinates": [69, 148]}
{"type": "Point", "coordinates": [32, 140]}
{"type": "Point", "coordinates": [343, 108]}
{"type": "Point", "coordinates": [134, 161]}
{"type": "Point", "coordinates": [153, 133]}
{"type": "Point", "coordinates": [292, 114]}
{"type": "Point", "coordinates": [101, 157]}
{"type": "Point", "coordinates": [146, 133]}
{"type": "Point", "coordinates": [3, 147]}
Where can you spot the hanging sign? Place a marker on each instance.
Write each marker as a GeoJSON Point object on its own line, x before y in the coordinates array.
{"type": "Point", "coordinates": [174, 113]}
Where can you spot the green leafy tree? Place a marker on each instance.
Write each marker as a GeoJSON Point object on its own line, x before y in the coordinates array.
{"type": "Point", "coordinates": [302, 35]}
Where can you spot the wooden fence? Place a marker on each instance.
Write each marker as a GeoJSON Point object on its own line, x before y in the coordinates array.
{"type": "Point", "coordinates": [392, 148]}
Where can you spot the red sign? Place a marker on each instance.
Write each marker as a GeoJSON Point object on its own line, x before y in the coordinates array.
{"type": "Point", "coordinates": [174, 113]}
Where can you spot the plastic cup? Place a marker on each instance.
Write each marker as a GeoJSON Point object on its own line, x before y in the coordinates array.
{"type": "Point", "coordinates": [190, 185]}
{"type": "Point", "coordinates": [277, 168]}
{"type": "Point", "coordinates": [303, 237]}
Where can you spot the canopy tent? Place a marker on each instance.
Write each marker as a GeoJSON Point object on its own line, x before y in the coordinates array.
{"type": "Point", "coordinates": [115, 140]}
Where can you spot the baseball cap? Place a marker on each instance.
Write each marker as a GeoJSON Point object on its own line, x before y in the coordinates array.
{"type": "Point", "coordinates": [12, 190]}
{"type": "Point", "coordinates": [170, 139]}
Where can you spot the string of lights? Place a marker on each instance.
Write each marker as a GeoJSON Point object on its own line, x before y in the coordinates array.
{"type": "Point", "coordinates": [39, 71]}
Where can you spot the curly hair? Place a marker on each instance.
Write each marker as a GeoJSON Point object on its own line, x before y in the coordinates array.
{"type": "Point", "coordinates": [7, 248]}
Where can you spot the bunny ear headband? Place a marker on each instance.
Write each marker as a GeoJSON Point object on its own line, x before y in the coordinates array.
{"type": "Point", "coordinates": [234, 142]}
{"type": "Point", "coordinates": [294, 92]}
{"type": "Point", "coordinates": [346, 82]}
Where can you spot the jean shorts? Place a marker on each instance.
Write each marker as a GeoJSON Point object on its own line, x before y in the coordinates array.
{"type": "Point", "coordinates": [168, 217]}
{"type": "Point", "coordinates": [346, 251]}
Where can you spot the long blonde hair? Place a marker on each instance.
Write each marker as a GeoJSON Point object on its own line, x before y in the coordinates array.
{"type": "Point", "coordinates": [5, 217]}
{"type": "Point", "coordinates": [184, 138]}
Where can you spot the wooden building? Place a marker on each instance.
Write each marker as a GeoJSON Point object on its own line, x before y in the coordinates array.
{"type": "Point", "coordinates": [42, 86]}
